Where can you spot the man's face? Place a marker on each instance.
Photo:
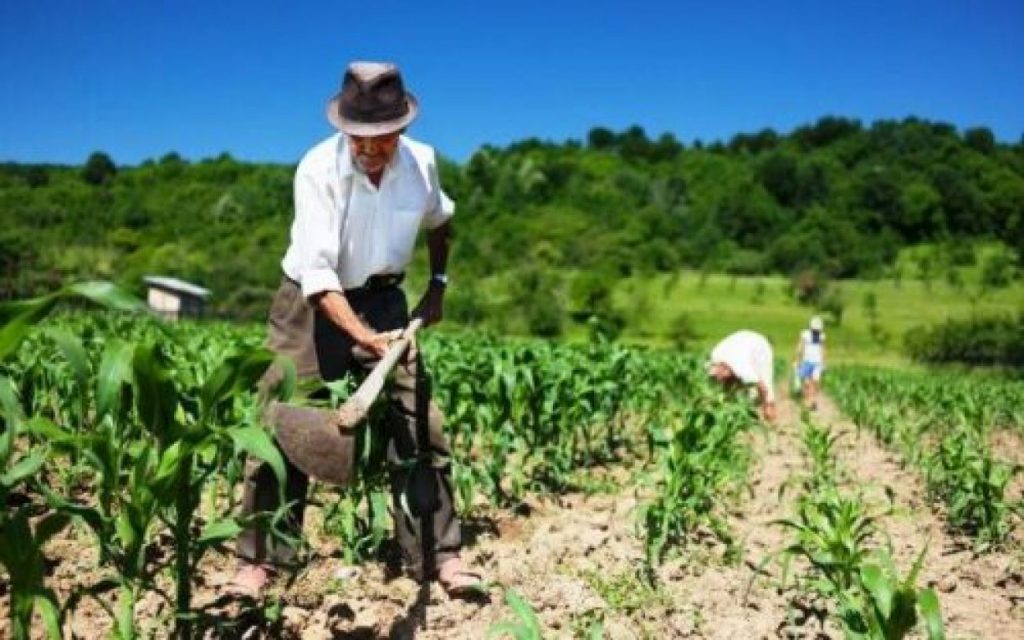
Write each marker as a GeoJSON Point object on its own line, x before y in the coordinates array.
{"type": "Point", "coordinates": [372, 153]}
{"type": "Point", "coordinates": [720, 371]}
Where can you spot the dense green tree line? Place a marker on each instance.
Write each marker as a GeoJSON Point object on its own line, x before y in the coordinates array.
{"type": "Point", "coordinates": [836, 196]}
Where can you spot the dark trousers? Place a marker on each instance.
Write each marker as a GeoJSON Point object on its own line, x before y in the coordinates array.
{"type": "Point", "coordinates": [418, 455]}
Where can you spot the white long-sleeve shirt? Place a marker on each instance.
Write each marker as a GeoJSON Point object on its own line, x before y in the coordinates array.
{"type": "Point", "coordinates": [345, 229]}
{"type": "Point", "coordinates": [749, 355]}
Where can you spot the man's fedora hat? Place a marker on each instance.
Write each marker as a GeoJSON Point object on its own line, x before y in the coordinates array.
{"type": "Point", "coordinates": [372, 100]}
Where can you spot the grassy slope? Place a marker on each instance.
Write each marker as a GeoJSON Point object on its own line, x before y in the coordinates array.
{"type": "Point", "coordinates": [723, 304]}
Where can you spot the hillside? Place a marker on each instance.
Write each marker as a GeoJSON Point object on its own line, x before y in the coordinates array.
{"type": "Point", "coordinates": [836, 198]}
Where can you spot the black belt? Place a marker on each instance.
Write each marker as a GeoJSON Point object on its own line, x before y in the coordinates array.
{"type": "Point", "coordinates": [375, 282]}
{"type": "Point", "coordinates": [380, 281]}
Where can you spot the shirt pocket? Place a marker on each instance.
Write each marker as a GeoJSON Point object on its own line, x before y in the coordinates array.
{"type": "Point", "coordinates": [410, 203]}
{"type": "Point", "coordinates": [405, 226]}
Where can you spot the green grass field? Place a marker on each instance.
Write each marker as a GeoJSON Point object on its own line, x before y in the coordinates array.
{"type": "Point", "coordinates": [716, 305]}
{"type": "Point", "coordinates": [703, 308]}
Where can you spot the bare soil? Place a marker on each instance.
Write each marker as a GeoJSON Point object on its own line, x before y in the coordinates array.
{"type": "Point", "coordinates": [578, 560]}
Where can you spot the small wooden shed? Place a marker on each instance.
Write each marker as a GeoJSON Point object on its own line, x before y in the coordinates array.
{"type": "Point", "coordinates": [173, 298]}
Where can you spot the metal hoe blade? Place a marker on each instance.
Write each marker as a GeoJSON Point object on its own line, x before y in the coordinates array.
{"type": "Point", "coordinates": [313, 441]}
{"type": "Point", "coordinates": [320, 442]}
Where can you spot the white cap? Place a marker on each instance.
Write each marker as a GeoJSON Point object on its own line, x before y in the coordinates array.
{"type": "Point", "coordinates": [817, 324]}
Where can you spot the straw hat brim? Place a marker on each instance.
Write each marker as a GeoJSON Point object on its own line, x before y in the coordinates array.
{"type": "Point", "coordinates": [355, 128]}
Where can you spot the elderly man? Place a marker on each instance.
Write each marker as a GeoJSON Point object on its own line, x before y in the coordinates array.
{"type": "Point", "coordinates": [745, 357]}
{"type": "Point", "coordinates": [361, 197]}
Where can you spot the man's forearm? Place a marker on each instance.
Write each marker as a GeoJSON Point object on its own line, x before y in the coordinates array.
{"type": "Point", "coordinates": [335, 306]}
{"type": "Point", "coordinates": [438, 241]}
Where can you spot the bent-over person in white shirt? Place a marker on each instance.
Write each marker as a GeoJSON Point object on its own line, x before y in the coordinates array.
{"type": "Point", "coordinates": [745, 357]}
{"type": "Point", "coordinates": [361, 198]}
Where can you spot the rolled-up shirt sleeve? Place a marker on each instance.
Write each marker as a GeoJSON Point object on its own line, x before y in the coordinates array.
{"type": "Point", "coordinates": [441, 208]}
{"type": "Point", "coordinates": [316, 234]}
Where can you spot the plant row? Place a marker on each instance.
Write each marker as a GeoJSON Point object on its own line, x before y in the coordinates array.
{"type": "Point", "coordinates": [942, 425]}
{"type": "Point", "coordinates": [836, 538]}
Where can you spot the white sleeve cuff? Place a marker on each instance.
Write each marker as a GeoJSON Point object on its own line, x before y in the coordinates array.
{"type": "Point", "coordinates": [317, 281]}
{"type": "Point", "coordinates": [442, 214]}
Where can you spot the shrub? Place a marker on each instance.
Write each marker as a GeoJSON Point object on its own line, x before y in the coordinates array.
{"type": "Point", "coordinates": [808, 286]}
{"type": "Point", "coordinates": [997, 270]}
{"type": "Point", "coordinates": [997, 340]}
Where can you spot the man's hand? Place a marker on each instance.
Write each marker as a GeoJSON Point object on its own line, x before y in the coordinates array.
{"type": "Point", "coordinates": [376, 344]}
{"type": "Point", "coordinates": [431, 306]}
{"type": "Point", "coordinates": [768, 411]}
{"type": "Point", "coordinates": [336, 307]}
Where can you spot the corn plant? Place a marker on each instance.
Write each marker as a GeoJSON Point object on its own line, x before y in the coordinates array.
{"type": "Point", "coordinates": [819, 441]}
{"type": "Point", "coordinates": [940, 423]}
{"type": "Point", "coordinates": [360, 516]}
{"type": "Point", "coordinates": [525, 626]}
{"type": "Point", "coordinates": [885, 607]}
{"type": "Point", "coordinates": [529, 415]}
{"type": "Point", "coordinates": [21, 554]}
{"type": "Point", "coordinates": [963, 474]}
{"type": "Point", "coordinates": [702, 455]}
{"type": "Point", "coordinates": [151, 445]}
{"type": "Point", "coordinates": [833, 533]}
{"type": "Point", "coordinates": [20, 544]}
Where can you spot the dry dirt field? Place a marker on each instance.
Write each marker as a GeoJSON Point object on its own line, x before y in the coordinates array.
{"type": "Point", "coordinates": [577, 560]}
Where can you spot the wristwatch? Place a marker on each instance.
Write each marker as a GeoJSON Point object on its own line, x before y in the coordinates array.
{"type": "Point", "coordinates": [440, 279]}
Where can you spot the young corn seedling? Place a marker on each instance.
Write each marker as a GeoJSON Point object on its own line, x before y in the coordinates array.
{"type": "Point", "coordinates": [360, 516]}
{"type": "Point", "coordinates": [940, 424]}
{"type": "Point", "coordinates": [886, 607]}
{"type": "Point", "coordinates": [833, 533]}
{"type": "Point", "coordinates": [525, 626]}
{"type": "Point", "coordinates": [820, 443]}
{"type": "Point", "coordinates": [702, 455]}
{"type": "Point", "coordinates": [973, 486]}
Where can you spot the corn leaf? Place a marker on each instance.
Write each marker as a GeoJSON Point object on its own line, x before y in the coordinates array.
{"type": "Point", "coordinates": [523, 610]}
{"type": "Point", "coordinates": [46, 604]}
{"type": "Point", "coordinates": [928, 602]}
{"type": "Point", "coordinates": [163, 483]}
{"type": "Point", "coordinates": [220, 530]}
{"type": "Point", "coordinates": [107, 295]}
{"type": "Point", "coordinates": [256, 442]}
{"type": "Point", "coordinates": [878, 585]}
{"type": "Point", "coordinates": [18, 318]}
{"type": "Point", "coordinates": [10, 411]}
{"type": "Point", "coordinates": [73, 351]}
{"type": "Point", "coordinates": [24, 468]}
{"type": "Point", "coordinates": [239, 371]}
{"type": "Point", "coordinates": [114, 373]}
{"type": "Point", "coordinates": [156, 398]}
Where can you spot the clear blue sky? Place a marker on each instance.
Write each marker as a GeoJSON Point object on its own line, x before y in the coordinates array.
{"type": "Point", "coordinates": [138, 79]}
